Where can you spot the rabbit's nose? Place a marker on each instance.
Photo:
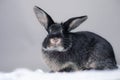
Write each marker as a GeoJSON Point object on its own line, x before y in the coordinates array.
{"type": "Point", "coordinates": [55, 41]}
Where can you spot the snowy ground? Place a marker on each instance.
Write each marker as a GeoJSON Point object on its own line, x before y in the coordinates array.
{"type": "Point", "coordinates": [25, 74]}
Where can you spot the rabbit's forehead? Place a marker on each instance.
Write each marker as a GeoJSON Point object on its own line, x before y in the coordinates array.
{"type": "Point", "coordinates": [56, 27]}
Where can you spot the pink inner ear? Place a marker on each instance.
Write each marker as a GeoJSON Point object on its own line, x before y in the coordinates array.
{"type": "Point", "coordinates": [42, 18]}
{"type": "Point", "coordinates": [75, 23]}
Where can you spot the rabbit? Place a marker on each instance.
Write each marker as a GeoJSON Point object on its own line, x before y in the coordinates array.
{"type": "Point", "coordinates": [66, 51]}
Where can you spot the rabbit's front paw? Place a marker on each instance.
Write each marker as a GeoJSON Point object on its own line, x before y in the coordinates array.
{"type": "Point", "coordinates": [67, 69]}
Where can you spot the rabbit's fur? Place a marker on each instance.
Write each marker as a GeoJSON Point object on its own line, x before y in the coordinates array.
{"type": "Point", "coordinates": [67, 51]}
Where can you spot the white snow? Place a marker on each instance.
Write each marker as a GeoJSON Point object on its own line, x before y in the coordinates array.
{"type": "Point", "coordinates": [25, 74]}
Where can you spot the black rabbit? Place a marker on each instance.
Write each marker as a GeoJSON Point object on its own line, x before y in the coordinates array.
{"type": "Point", "coordinates": [66, 51]}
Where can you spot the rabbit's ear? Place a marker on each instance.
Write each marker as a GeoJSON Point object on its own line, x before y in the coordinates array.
{"type": "Point", "coordinates": [44, 19]}
{"type": "Point", "coordinates": [74, 22]}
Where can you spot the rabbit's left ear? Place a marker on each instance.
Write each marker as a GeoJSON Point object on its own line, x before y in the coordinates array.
{"type": "Point", "coordinates": [72, 23]}
{"type": "Point", "coordinates": [44, 19]}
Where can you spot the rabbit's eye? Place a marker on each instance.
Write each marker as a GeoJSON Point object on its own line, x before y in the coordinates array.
{"type": "Point", "coordinates": [50, 30]}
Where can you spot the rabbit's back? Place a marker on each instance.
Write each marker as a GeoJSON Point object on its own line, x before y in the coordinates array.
{"type": "Point", "coordinates": [91, 51]}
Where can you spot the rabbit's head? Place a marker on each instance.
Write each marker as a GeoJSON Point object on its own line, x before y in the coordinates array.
{"type": "Point", "coordinates": [58, 37]}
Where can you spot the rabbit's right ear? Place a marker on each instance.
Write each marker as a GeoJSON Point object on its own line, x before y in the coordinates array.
{"type": "Point", "coordinates": [44, 19]}
{"type": "Point", "coordinates": [74, 22]}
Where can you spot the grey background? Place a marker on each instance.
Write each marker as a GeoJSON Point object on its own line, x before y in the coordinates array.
{"type": "Point", "coordinates": [21, 35]}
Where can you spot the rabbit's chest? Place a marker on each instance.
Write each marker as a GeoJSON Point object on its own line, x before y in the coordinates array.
{"type": "Point", "coordinates": [53, 62]}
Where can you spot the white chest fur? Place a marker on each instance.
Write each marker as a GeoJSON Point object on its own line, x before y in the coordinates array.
{"type": "Point", "coordinates": [55, 65]}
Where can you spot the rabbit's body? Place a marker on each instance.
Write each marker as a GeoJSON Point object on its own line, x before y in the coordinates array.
{"type": "Point", "coordinates": [71, 51]}
{"type": "Point", "coordinates": [87, 51]}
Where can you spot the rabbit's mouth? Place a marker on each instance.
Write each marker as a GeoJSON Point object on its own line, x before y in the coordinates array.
{"type": "Point", "coordinates": [55, 48]}
{"type": "Point", "coordinates": [59, 48]}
